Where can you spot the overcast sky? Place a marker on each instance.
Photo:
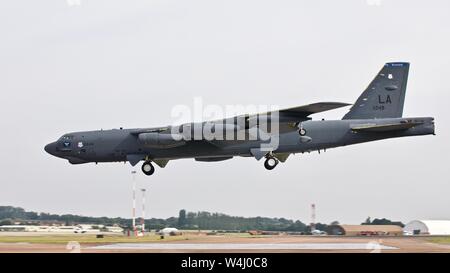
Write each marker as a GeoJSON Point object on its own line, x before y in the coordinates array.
{"type": "Point", "coordinates": [105, 64]}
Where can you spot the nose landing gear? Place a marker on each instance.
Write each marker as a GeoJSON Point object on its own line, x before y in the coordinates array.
{"type": "Point", "coordinates": [270, 163]}
{"type": "Point", "coordinates": [147, 168]}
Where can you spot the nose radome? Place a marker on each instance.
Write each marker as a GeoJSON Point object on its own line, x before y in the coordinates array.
{"type": "Point", "coordinates": [50, 148]}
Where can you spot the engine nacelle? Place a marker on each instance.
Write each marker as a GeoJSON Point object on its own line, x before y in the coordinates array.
{"type": "Point", "coordinates": [158, 140]}
{"type": "Point", "coordinates": [305, 139]}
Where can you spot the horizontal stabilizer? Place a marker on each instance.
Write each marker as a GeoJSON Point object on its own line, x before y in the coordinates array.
{"type": "Point", "coordinates": [384, 127]}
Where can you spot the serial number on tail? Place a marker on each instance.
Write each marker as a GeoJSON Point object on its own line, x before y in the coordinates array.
{"type": "Point", "coordinates": [378, 108]}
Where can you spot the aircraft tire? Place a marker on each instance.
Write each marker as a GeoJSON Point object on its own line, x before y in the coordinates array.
{"type": "Point", "coordinates": [147, 168]}
{"type": "Point", "coordinates": [302, 132]}
{"type": "Point", "coordinates": [270, 166]}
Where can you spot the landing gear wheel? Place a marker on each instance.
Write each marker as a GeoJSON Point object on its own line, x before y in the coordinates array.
{"type": "Point", "coordinates": [302, 132]}
{"type": "Point", "coordinates": [270, 163]}
{"type": "Point", "coordinates": [147, 168]}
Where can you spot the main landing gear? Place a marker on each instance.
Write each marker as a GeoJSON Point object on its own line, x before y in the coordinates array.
{"type": "Point", "coordinates": [147, 168]}
{"type": "Point", "coordinates": [270, 163]}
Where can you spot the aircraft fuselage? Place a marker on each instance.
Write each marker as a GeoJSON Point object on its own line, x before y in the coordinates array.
{"type": "Point", "coordinates": [117, 144]}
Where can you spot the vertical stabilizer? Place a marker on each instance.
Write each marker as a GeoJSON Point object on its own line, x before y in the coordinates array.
{"type": "Point", "coordinates": [385, 96]}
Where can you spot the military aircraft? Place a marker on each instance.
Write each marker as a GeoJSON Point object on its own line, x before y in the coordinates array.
{"type": "Point", "coordinates": [376, 115]}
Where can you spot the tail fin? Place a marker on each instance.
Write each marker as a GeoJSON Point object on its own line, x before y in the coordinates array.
{"type": "Point", "coordinates": [385, 95]}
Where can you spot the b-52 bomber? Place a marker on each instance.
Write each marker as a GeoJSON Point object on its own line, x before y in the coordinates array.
{"type": "Point", "coordinates": [273, 135]}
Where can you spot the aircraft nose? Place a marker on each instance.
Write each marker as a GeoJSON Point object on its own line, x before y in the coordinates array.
{"type": "Point", "coordinates": [50, 148]}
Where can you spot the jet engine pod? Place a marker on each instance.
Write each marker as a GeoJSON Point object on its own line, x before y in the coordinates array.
{"type": "Point", "coordinates": [158, 140]}
{"type": "Point", "coordinates": [305, 139]}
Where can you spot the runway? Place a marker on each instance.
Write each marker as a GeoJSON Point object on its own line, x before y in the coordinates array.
{"type": "Point", "coordinates": [247, 246]}
{"type": "Point", "coordinates": [228, 243]}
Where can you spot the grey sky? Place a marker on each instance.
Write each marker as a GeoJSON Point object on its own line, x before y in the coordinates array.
{"type": "Point", "coordinates": [106, 64]}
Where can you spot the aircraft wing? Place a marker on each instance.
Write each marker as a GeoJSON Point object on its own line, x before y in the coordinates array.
{"type": "Point", "coordinates": [289, 118]}
{"type": "Point", "coordinates": [309, 109]}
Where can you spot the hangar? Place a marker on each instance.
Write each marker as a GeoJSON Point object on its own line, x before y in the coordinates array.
{"type": "Point", "coordinates": [365, 230]}
{"type": "Point", "coordinates": [428, 227]}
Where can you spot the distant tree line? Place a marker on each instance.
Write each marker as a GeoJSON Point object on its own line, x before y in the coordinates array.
{"type": "Point", "coordinates": [186, 220]}
{"type": "Point", "coordinates": [382, 221]}
{"type": "Point", "coordinates": [9, 215]}
{"type": "Point", "coordinates": [217, 221]}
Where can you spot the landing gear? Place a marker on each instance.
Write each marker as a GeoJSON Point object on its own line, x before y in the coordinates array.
{"type": "Point", "coordinates": [270, 163]}
{"type": "Point", "coordinates": [302, 131]}
{"type": "Point", "coordinates": [147, 168]}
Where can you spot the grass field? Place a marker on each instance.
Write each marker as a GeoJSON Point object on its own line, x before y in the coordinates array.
{"type": "Point", "coordinates": [440, 240]}
{"type": "Point", "coordinates": [108, 238]}
{"type": "Point", "coordinates": [87, 239]}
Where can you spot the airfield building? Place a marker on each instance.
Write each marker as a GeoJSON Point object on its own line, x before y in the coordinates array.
{"type": "Point", "coordinates": [62, 229]}
{"type": "Point", "coordinates": [365, 230]}
{"type": "Point", "coordinates": [427, 227]}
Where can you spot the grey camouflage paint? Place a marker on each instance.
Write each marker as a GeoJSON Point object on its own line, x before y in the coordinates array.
{"type": "Point", "coordinates": [376, 115]}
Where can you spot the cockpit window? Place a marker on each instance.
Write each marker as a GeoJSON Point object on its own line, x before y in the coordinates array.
{"type": "Point", "coordinates": [67, 137]}
{"type": "Point", "coordinates": [66, 144]}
